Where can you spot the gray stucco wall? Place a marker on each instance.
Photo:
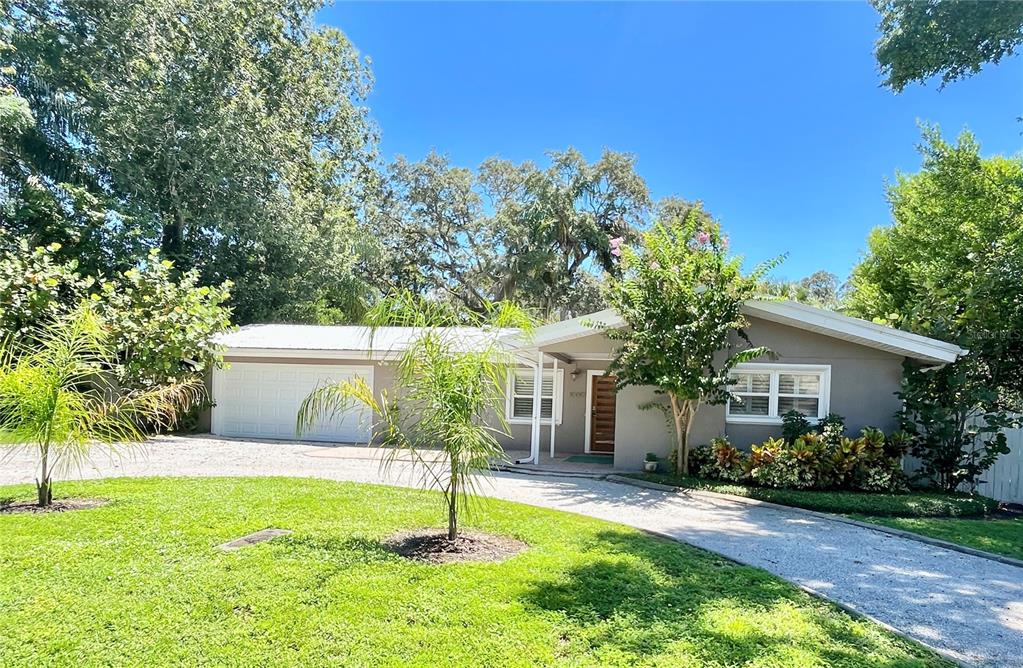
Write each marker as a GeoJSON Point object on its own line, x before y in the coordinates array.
{"type": "Point", "coordinates": [863, 385]}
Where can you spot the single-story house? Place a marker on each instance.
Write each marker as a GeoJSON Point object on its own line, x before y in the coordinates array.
{"type": "Point", "coordinates": [824, 362]}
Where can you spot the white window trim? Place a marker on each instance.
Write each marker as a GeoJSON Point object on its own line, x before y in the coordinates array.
{"type": "Point", "coordinates": [559, 384]}
{"type": "Point", "coordinates": [823, 403]}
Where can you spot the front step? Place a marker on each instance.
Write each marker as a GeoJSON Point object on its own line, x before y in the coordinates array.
{"type": "Point", "coordinates": [533, 470]}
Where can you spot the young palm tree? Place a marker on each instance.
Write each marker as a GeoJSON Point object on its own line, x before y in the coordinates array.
{"type": "Point", "coordinates": [56, 398]}
{"type": "Point", "coordinates": [448, 382]}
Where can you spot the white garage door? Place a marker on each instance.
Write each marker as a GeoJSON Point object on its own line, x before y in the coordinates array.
{"type": "Point", "coordinates": [262, 400]}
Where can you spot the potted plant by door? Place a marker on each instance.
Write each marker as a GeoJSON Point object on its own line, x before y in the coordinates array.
{"type": "Point", "coordinates": [650, 463]}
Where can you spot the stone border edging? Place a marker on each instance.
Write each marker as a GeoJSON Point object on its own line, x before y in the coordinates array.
{"type": "Point", "coordinates": [635, 482]}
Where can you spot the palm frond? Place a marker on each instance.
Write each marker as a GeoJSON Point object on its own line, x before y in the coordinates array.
{"type": "Point", "coordinates": [330, 400]}
{"type": "Point", "coordinates": [58, 400]}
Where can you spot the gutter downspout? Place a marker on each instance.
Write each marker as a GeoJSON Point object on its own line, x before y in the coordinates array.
{"type": "Point", "coordinates": [554, 405]}
{"type": "Point", "coordinates": [534, 433]}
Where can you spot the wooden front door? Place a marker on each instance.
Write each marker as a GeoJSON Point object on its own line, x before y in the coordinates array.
{"type": "Point", "coordinates": [602, 414]}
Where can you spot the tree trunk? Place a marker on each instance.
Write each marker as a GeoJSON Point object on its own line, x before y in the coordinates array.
{"type": "Point", "coordinates": [44, 486]}
{"type": "Point", "coordinates": [172, 241]}
{"type": "Point", "coordinates": [45, 490]}
{"type": "Point", "coordinates": [453, 504]}
{"type": "Point", "coordinates": [683, 411]}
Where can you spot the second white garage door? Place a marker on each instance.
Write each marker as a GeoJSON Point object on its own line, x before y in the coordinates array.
{"type": "Point", "coordinates": [256, 400]}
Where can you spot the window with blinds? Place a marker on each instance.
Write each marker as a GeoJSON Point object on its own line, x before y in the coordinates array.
{"type": "Point", "coordinates": [763, 393]}
{"type": "Point", "coordinates": [520, 395]}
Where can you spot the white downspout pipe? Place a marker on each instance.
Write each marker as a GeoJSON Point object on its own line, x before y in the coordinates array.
{"type": "Point", "coordinates": [534, 441]}
{"type": "Point", "coordinates": [534, 433]}
{"type": "Point", "coordinates": [554, 405]}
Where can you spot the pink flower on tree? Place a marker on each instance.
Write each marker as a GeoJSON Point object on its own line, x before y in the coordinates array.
{"type": "Point", "coordinates": [616, 251]}
{"type": "Point", "coordinates": [724, 242]}
{"type": "Point", "coordinates": [616, 242]}
{"type": "Point", "coordinates": [702, 237]}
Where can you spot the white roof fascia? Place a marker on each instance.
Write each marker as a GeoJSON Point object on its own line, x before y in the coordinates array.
{"type": "Point", "coordinates": [566, 330]}
{"type": "Point", "coordinates": [790, 313]}
{"type": "Point", "coordinates": [854, 330]}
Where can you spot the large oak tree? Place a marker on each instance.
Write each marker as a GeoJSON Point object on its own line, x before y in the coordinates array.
{"type": "Point", "coordinates": [230, 133]}
{"type": "Point", "coordinates": [535, 235]}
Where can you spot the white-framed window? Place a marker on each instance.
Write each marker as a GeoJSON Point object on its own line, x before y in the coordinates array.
{"type": "Point", "coordinates": [763, 393]}
{"type": "Point", "coordinates": [519, 396]}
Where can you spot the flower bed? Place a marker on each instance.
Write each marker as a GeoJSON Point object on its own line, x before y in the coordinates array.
{"type": "Point", "coordinates": [822, 459]}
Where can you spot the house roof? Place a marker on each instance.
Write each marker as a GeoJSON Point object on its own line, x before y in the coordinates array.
{"type": "Point", "coordinates": [793, 314]}
{"type": "Point", "coordinates": [855, 330]}
{"type": "Point", "coordinates": [340, 342]}
{"type": "Point", "coordinates": [355, 342]}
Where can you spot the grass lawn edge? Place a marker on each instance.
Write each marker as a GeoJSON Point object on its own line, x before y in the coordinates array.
{"type": "Point", "coordinates": [821, 598]}
{"type": "Point", "coordinates": [937, 542]}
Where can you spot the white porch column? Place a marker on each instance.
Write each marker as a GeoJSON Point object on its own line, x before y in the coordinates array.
{"type": "Point", "coordinates": [554, 405]}
{"type": "Point", "coordinates": [534, 436]}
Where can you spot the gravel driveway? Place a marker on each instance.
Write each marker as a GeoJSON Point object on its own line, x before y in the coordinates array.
{"type": "Point", "coordinates": [967, 607]}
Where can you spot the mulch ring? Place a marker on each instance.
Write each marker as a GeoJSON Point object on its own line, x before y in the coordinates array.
{"type": "Point", "coordinates": [58, 506]}
{"type": "Point", "coordinates": [432, 546]}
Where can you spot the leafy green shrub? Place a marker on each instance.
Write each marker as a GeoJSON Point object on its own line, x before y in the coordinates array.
{"type": "Point", "coordinates": [161, 323]}
{"type": "Point", "coordinates": [883, 475]}
{"type": "Point", "coordinates": [35, 287]}
{"type": "Point", "coordinates": [832, 428]}
{"type": "Point", "coordinates": [700, 460]}
{"type": "Point", "coordinates": [793, 425]}
{"type": "Point", "coordinates": [159, 319]}
{"type": "Point", "coordinates": [812, 460]}
{"type": "Point", "coordinates": [729, 463]}
{"type": "Point", "coordinates": [915, 503]}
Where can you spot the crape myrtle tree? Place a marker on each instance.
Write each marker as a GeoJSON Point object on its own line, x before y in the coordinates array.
{"type": "Point", "coordinates": [448, 393]}
{"type": "Point", "coordinates": [681, 295]}
{"type": "Point", "coordinates": [950, 266]}
{"type": "Point", "coordinates": [59, 400]}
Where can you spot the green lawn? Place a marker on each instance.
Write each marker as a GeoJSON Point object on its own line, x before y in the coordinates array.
{"type": "Point", "coordinates": [1002, 536]}
{"type": "Point", "coordinates": [915, 504]}
{"type": "Point", "coordinates": [138, 582]}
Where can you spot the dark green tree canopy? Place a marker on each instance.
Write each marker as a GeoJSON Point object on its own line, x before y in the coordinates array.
{"type": "Point", "coordinates": [231, 134]}
{"type": "Point", "coordinates": [951, 264]}
{"type": "Point", "coordinates": [821, 289]}
{"type": "Point", "coordinates": [952, 39]}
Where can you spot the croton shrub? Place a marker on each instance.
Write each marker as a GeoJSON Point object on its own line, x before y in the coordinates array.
{"type": "Point", "coordinates": [811, 459]}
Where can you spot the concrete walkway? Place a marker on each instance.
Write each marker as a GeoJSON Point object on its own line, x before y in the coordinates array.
{"type": "Point", "coordinates": [967, 607]}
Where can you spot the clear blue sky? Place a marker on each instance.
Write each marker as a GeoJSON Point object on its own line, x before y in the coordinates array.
{"type": "Point", "coordinates": [769, 113]}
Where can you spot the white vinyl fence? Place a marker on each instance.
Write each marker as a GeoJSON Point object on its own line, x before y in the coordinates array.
{"type": "Point", "coordinates": [1004, 480]}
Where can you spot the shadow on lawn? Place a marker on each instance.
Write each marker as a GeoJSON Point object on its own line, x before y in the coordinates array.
{"type": "Point", "coordinates": [642, 595]}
